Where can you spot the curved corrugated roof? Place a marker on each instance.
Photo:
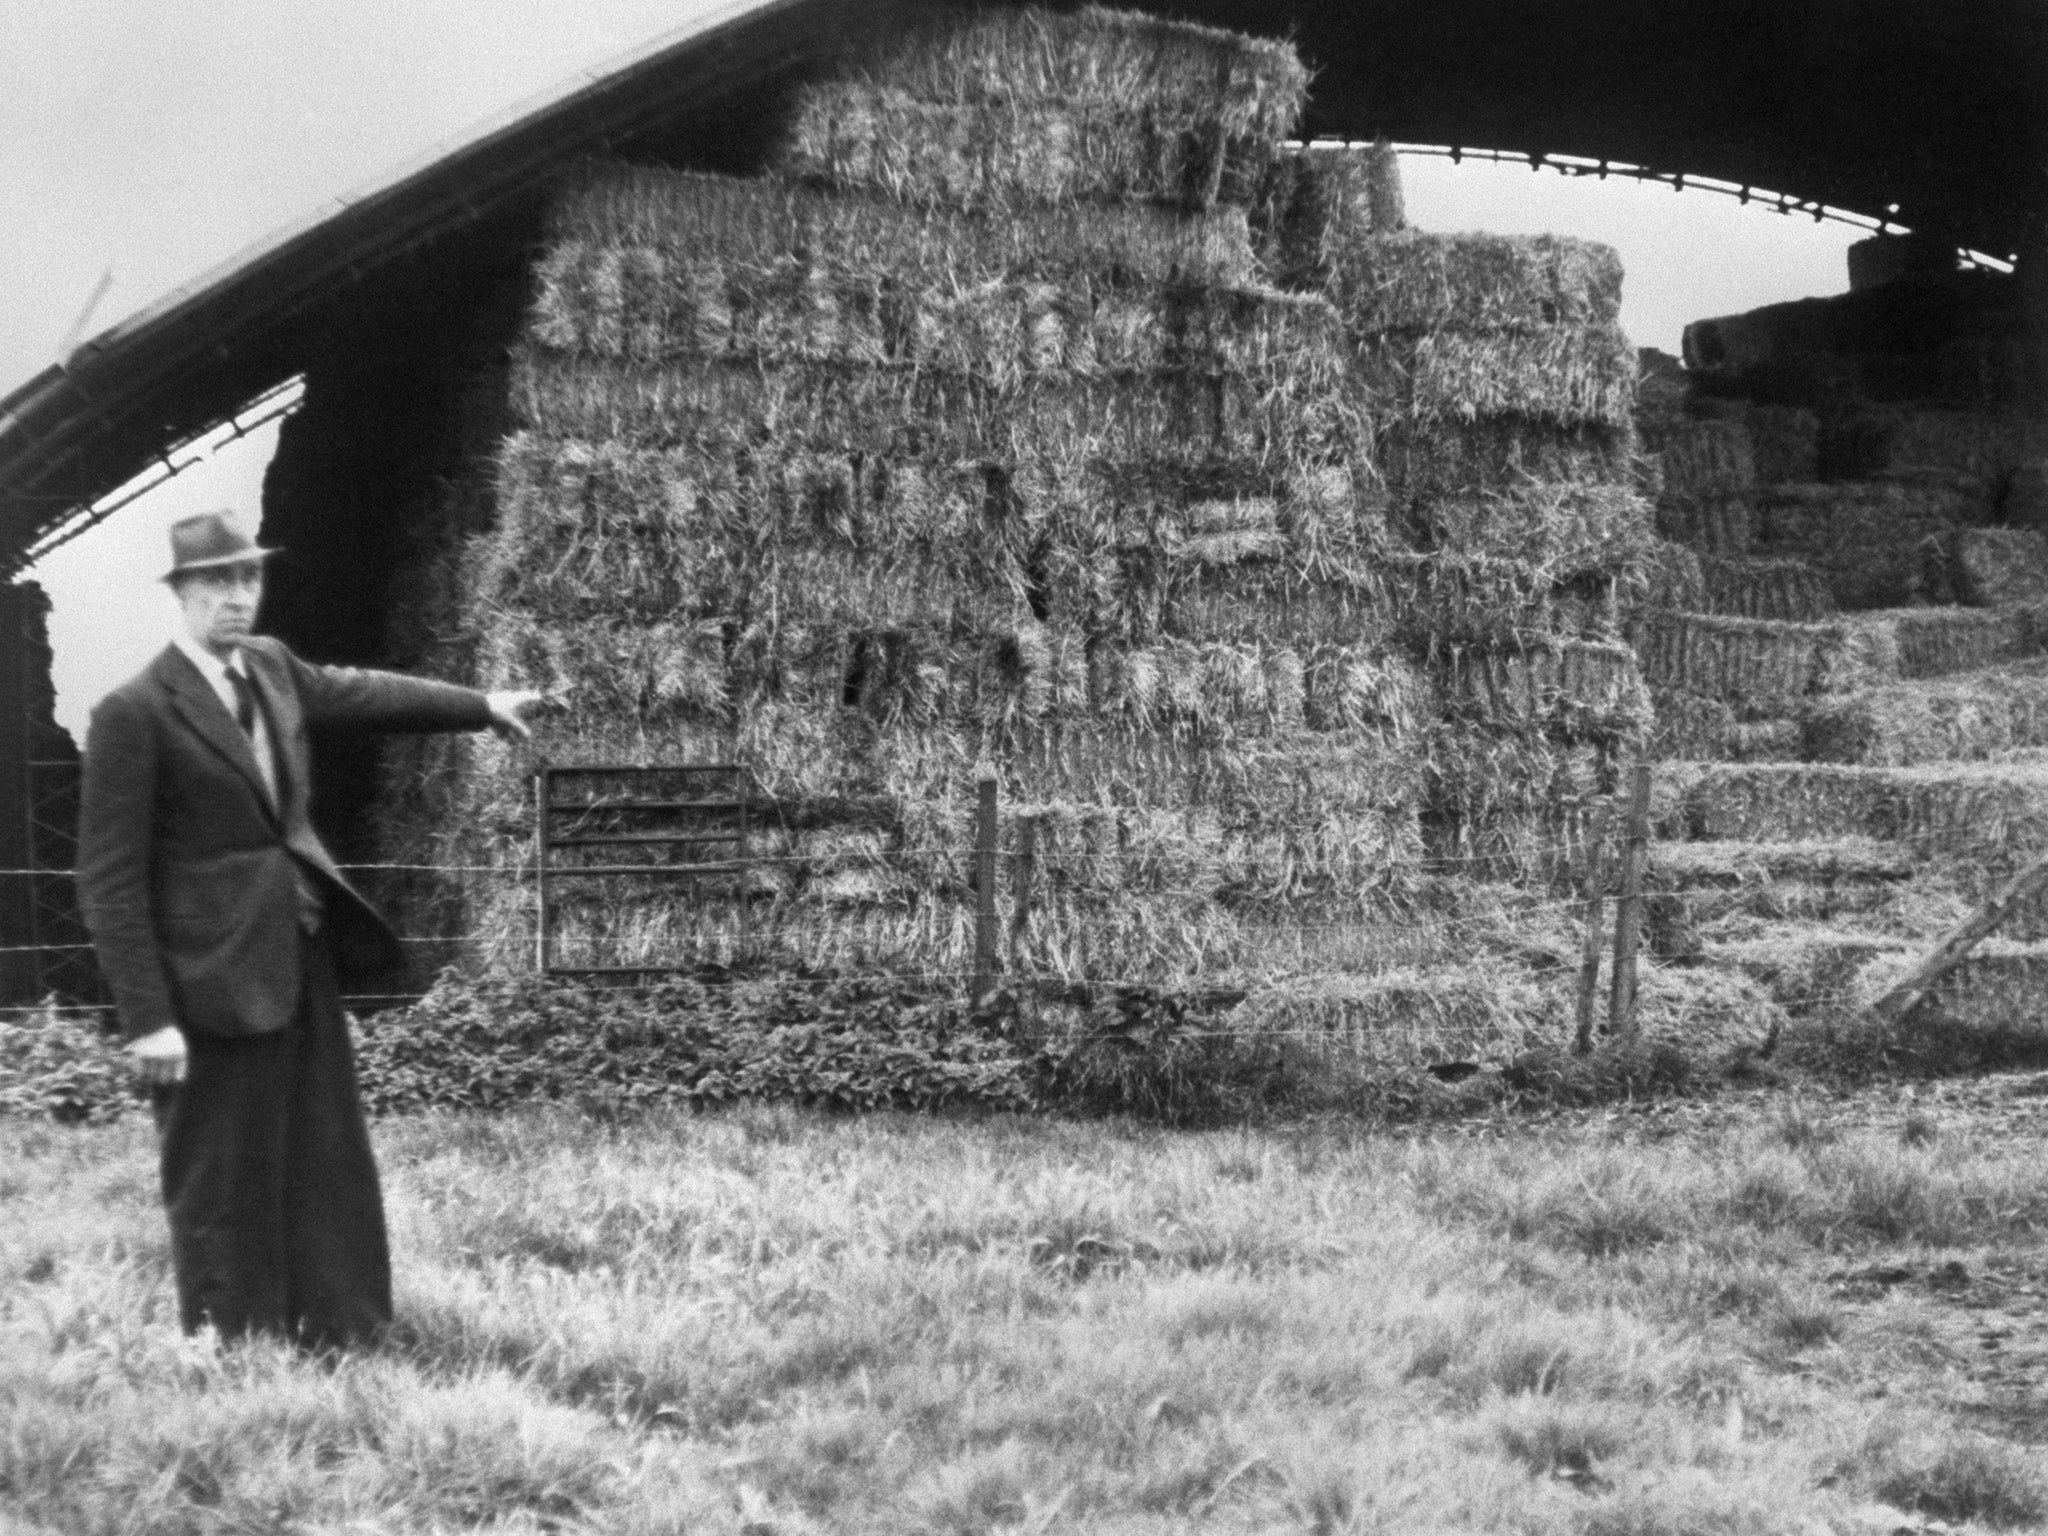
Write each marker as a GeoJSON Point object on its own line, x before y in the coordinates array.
{"type": "Point", "coordinates": [1868, 105]}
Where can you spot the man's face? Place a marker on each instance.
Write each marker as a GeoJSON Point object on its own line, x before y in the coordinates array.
{"type": "Point", "coordinates": [220, 604]}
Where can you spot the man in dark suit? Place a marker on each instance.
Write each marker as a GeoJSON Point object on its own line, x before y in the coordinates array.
{"type": "Point", "coordinates": [227, 935]}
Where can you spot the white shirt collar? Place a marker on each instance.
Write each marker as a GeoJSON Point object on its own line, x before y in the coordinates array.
{"type": "Point", "coordinates": [211, 667]}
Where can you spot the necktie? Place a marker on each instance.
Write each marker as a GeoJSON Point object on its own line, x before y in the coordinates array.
{"type": "Point", "coordinates": [245, 702]}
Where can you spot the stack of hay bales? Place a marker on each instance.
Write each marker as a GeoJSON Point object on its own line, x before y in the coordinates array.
{"type": "Point", "coordinates": [1503, 392]}
{"type": "Point", "coordinates": [967, 437]}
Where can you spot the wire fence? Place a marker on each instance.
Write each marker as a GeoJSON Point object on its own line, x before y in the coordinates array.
{"type": "Point", "coordinates": [1556, 929]}
{"type": "Point", "coordinates": [1377, 946]}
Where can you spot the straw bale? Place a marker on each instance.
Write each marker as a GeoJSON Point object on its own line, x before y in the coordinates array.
{"type": "Point", "coordinates": [1704, 458]}
{"type": "Point", "coordinates": [1567, 688]}
{"type": "Point", "coordinates": [1357, 854]}
{"type": "Point", "coordinates": [1788, 802]}
{"type": "Point", "coordinates": [1310, 773]}
{"type": "Point", "coordinates": [1784, 443]}
{"type": "Point", "coordinates": [1578, 375]}
{"type": "Point", "coordinates": [1972, 451]}
{"type": "Point", "coordinates": [1663, 392]}
{"type": "Point", "coordinates": [853, 136]}
{"type": "Point", "coordinates": [1806, 965]}
{"type": "Point", "coordinates": [1273, 601]}
{"type": "Point", "coordinates": [1499, 804]}
{"type": "Point", "coordinates": [1765, 741]}
{"type": "Point", "coordinates": [1448, 599]}
{"type": "Point", "coordinates": [1239, 687]}
{"type": "Point", "coordinates": [602, 523]}
{"type": "Point", "coordinates": [1763, 666]}
{"type": "Point", "coordinates": [1765, 589]}
{"type": "Point", "coordinates": [1411, 1016]}
{"type": "Point", "coordinates": [1936, 641]}
{"type": "Point", "coordinates": [1822, 861]}
{"type": "Point", "coordinates": [1995, 567]}
{"type": "Point", "coordinates": [1483, 283]}
{"type": "Point", "coordinates": [693, 217]}
{"type": "Point", "coordinates": [1714, 525]}
{"type": "Point", "coordinates": [1321, 200]}
{"type": "Point", "coordinates": [1865, 537]}
{"type": "Point", "coordinates": [1252, 86]}
{"type": "Point", "coordinates": [2025, 502]}
{"type": "Point", "coordinates": [1997, 989]}
{"type": "Point", "coordinates": [1689, 725]}
{"type": "Point", "coordinates": [1450, 457]}
{"type": "Point", "coordinates": [1182, 416]}
{"type": "Point", "coordinates": [1209, 945]}
{"type": "Point", "coordinates": [1672, 577]}
{"type": "Point", "coordinates": [1977, 820]}
{"type": "Point", "coordinates": [775, 308]}
{"type": "Point", "coordinates": [621, 669]}
{"type": "Point", "coordinates": [1167, 521]}
{"type": "Point", "coordinates": [1566, 527]}
{"type": "Point", "coordinates": [1973, 716]}
{"type": "Point", "coordinates": [1354, 687]}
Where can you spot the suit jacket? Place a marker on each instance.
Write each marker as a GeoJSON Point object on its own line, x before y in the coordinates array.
{"type": "Point", "coordinates": [189, 875]}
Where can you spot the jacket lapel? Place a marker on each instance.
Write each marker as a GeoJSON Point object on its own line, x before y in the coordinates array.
{"type": "Point", "coordinates": [201, 709]}
{"type": "Point", "coordinates": [280, 703]}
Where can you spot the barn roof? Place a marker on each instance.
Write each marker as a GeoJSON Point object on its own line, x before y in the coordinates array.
{"type": "Point", "coordinates": [1935, 115]}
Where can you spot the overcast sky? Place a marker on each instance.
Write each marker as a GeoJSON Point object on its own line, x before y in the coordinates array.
{"type": "Point", "coordinates": [154, 139]}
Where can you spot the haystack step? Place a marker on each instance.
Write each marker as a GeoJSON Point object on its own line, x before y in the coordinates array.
{"type": "Point", "coordinates": [1965, 716]}
{"type": "Point", "coordinates": [1984, 812]}
{"type": "Point", "coordinates": [1736, 862]}
{"type": "Point", "coordinates": [1764, 667]}
{"type": "Point", "coordinates": [1809, 966]}
{"type": "Point", "coordinates": [2002, 986]}
{"type": "Point", "coordinates": [1706, 892]}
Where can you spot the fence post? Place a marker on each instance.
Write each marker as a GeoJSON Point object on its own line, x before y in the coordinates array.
{"type": "Point", "coordinates": [984, 884]}
{"type": "Point", "coordinates": [1596, 900]}
{"type": "Point", "coordinates": [1628, 913]}
{"type": "Point", "coordinates": [1022, 879]}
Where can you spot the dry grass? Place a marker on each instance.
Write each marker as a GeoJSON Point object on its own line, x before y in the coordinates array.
{"type": "Point", "coordinates": [762, 1321]}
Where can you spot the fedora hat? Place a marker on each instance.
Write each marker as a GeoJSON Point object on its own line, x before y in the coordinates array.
{"type": "Point", "coordinates": [208, 539]}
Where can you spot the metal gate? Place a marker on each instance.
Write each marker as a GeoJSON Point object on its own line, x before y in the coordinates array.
{"type": "Point", "coordinates": [683, 825]}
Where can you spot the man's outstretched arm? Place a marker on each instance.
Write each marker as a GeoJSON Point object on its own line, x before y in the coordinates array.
{"type": "Point", "coordinates": [391, 701]}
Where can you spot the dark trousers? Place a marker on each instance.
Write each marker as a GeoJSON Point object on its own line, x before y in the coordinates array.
{"type": "Point", "coordinates": [277, 1224]}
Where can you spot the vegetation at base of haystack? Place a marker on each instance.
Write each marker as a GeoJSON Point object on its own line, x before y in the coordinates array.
{"type": "Point", "coordinates": [765, 1320]}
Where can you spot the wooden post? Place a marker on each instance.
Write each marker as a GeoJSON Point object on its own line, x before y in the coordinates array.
{"type": "Point", "coordinates": [1023, 877]}
{"type": "Point", "coordinates": [1628, 911]}
{"type": "Point", "coordinates": [1596, 900]}
{"type": "Point", "coordinates": [19, 971]}
{"type": "Point", "coordinates": [1958, 942]}
{"type": "Point", "coordinates": [984, 885]}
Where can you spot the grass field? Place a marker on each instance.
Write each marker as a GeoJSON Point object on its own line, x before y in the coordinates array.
{"type": "Point", "coordinates": [1743, 1315]}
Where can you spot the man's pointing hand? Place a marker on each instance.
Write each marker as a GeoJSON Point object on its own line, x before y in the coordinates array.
{"type": "Point", "coordinates": [508, 713]}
